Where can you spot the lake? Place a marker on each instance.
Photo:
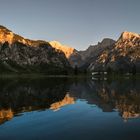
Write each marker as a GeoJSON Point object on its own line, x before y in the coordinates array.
{"type": "Point", "coordinates": [69, 109]}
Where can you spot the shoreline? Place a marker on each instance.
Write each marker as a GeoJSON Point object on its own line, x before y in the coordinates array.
{"type": "Point", "coordinates": [98, 77]}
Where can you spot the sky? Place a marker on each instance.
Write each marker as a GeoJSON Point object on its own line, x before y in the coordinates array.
{"type": "Point", "coordinates": [76, 23]}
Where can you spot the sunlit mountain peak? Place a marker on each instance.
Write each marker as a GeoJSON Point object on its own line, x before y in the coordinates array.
{"type": "Point", "coordinates": [68, 51]}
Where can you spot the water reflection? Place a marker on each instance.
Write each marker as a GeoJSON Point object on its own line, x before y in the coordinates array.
{"type": "Point", "coordinates": [18, 96]}
{"type": "Point", "coordinates": [122, 96]}
{"type": "Point", "coordinates": [66, 101]}
{"type": "Point", "coordinates": [6, 115]}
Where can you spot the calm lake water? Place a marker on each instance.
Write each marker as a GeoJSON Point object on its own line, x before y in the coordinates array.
{"type": "Point", "coordinates": [69, 109]}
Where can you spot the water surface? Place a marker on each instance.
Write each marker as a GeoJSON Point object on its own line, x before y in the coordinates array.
{"type": "Point", "coordinates": [69, 109]}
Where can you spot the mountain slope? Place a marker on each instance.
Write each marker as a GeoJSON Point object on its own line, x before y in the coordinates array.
{"type": "Point", "coordinates": [71, 54]}
{"type": "Point", "coordinates": [66, 49]}
{"type": "Point", "coordinates": [96, 48]}
{"type": "Point", "coordinates": [82, 58]}
{"type": "Point", "coordinates": [94, 51]}
{"type": "Point", "coordinates": [123, 56]}
{"type": "Point", "coordinates": [18, 54]}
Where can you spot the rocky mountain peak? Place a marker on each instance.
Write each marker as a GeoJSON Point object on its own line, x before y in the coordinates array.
{"type": "Point", "coordinates": [3, 28]}
{"type": "Point", "coordinates": [93, 50]}
{"type": "Point", "coordinates": [128, 40]}
{"type": "Point", "coordinates": [6, 35]}
{"type": "Point", "coordinates": [56, 43]}
{"type": "Point", "coordinates": [129, 35]}
{"type": "Point", "coordinates": [122, 57]}
{"type": "Point", "coordinates": [68, 51]}
{"type": "Point", "coordinates": [106, 42]}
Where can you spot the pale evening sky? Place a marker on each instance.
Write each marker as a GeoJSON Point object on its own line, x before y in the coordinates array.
{"type": "Point", "coordinates": [77, 23]}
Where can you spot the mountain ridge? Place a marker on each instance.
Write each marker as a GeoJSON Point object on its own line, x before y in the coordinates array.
{"type": "Point", "coordinates": [121, 55]}
{"type": "Point", "coordinates": [66, 49]}
{"type": "Point", "coordinates": [18, 54]}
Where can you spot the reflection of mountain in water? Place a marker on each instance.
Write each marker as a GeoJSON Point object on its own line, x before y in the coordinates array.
{"type": "Point", "coordinates": [67, 100]}
{"type": "Point", "coordinates": [8, 114]}
{"type": "Point", "coordinates": [123, 96]}
{"type": "Point", "coordinates": [5, 115]}
{"type": "Point", "coordinates": [27, 95]}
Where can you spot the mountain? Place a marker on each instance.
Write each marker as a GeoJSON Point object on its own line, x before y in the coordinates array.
{"type": "Point", "coordinates": [96, 48]}
{"type": "Point", "coordinates": [18, 54]}
{"type": "Point", "coordinates": [82, 58]}
{"type": "Point", "coordinates": [90, 55]}
{"type": "Point", "coordinates": [71, 54]}
{"type": "Point", "coordinates": [123, 56]}
{"type": "Point", "coordinates": [68, 51]}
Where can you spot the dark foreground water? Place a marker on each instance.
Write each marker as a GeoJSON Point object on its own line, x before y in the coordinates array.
{"type": "Point", "coordinates": [69, 109]}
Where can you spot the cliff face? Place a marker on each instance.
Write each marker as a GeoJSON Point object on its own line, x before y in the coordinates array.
{"type": "Point", "coordinates": [83, 58]}
{"type": "Point", "coordinates": [123, 56]}
{"type": "Point", "coordinates": [72, 55]}
{"type": "Point", "coordinates": [23, 55]}
{"type": "Point", "coordinates": [94, 51]}
{"type": "Point", "coordinates": [68, 51]}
